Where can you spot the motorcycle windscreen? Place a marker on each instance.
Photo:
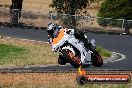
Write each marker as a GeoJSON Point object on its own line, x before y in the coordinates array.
{"type": "Point", "coordinates": [59, 37]}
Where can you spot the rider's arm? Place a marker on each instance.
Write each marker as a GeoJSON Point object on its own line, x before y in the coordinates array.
{"type": "Point", "coordinates": [71, 31]}
{"type": "Point", "coordinates": [49, 40]}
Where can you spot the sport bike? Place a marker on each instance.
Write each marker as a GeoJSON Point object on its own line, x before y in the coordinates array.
{"type": "Point", "coordinates": [74, 51]}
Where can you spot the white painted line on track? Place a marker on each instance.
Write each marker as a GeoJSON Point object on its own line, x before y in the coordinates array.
{"type": "Point", "coordinates": [26, 67]}
{"type": "Point", "coordinates": [25, 39]}
{"type": "Point", "coordinates": [116, 60]}
{"type": "Point", "coordinates": [122, 57]}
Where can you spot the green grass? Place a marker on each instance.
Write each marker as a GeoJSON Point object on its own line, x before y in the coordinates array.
{"type": "Point", "coordinates": [104, 52]}
{"type": "Point", "coordinates": [7, 51]}
{"type": "Point", "coordinates": [19, 53]}
{"type": "Point", "coordinates": [10, 52]}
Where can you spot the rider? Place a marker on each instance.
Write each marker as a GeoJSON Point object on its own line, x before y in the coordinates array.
{"type": "Point", "coordinates": [53, 31]}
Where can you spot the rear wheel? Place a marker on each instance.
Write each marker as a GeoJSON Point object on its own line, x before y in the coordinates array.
{"type": "Point", "coordinates": [97, 60]}
{"type": "Point", "coordinates": [74, 61]}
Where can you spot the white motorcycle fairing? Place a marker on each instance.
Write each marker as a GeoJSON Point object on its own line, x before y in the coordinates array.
{"type": "Point", "coordinates": [70, 38]}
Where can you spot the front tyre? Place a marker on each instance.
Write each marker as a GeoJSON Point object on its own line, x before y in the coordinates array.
{"type": "Point", "coordinates": [61, 60]}
{"type": "Point", "coordinates": [97, 60]}
{"type": "Point", "coordinates": [69, 59]}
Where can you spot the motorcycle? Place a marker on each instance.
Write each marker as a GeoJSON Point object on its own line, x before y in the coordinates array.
{"type": "Point", "coordinates": [74, 51]}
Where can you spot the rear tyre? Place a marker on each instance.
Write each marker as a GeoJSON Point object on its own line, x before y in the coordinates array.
{"type": "Point", "coordinates": [97, 60]}
{"type": "Point", "coordinates": [73, 63]}
{"type": "Point", "coordinates": [61, 60]}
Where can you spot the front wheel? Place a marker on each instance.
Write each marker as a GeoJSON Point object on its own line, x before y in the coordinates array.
{"type": "Point", "coordinates": [97, 60]}
{"type": "Point", "coordinates": [69, 59]}
{"type": "Point", "coordinates": [62, 60]}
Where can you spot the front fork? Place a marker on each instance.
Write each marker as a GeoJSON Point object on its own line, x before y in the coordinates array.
{"type": "Point", "coordinates": [76, 59]}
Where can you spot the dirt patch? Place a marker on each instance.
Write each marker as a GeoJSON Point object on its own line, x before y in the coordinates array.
{"type": "Point", "coordinates": [38, 78]}
{"type": "Point", "coordinates": [4, 18]}
{"type": "Point", "coordinates": [47, 79]}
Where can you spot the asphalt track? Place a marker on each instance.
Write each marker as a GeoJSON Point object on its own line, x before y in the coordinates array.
{"type": "Point", "coordinates": [117, 43]}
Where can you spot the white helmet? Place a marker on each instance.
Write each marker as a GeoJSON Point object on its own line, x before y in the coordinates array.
{"type": "Point", "coordinates": [51, 26]}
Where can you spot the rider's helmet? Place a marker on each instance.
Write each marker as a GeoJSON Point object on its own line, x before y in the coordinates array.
{"type": "Point", "coordinates": [51, 26]}
{"type": "Point", "coordinates": [50, 29]}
